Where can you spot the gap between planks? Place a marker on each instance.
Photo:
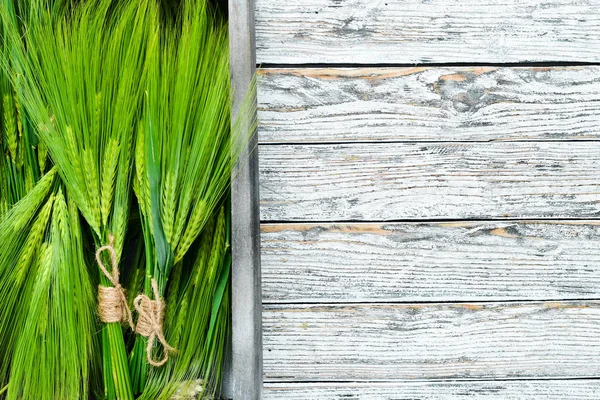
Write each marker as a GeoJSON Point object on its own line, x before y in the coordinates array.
{"type": "Point", "coordinates": [518, 389]}
{"type": "Point", "coordinates": [392, 141]}
{"type": "Point", "coordinates": [379, 302]}
{"type": "Point", "coordinates": [458, 380]}
{"type": "Point", "coordinates": [592, 221]}
{"type": "Point", "coordinates": [545, 64]}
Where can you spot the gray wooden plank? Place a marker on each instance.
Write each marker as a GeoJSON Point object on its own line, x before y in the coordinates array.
{"type": "Point", "coordinates": [431, 341]}
{"type": "Point", "coordinates": [413, 262]}
{"type": "Point", "coordinates": [442, 390]}
{"type": "Point", "coordinates": [427, 31]}
{"type": "Point", "coordinates": [391, 181]}
{"type": "Point", "coordinates": [429, 104]}
{"type": "Point", "coordinates": [244, 379]}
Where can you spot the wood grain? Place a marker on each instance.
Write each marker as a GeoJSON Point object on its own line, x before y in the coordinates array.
{"type": "Point", "coordinates": [243, 377]}
{"type": "Point", "coordinates": [429, 104]}
{"type": "Point", "coordinates": [376, 182]}
{"type": "Point", "coordinates": [490, 390]}
{"type": "Point", "coordinates": [412, 262]}
{"type": "Point", "coordinates": [431, 341]}
{"type": "Point", "coordinates": [426, 31]}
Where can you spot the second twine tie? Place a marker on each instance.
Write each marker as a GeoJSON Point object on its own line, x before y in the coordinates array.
{"type": "Point", "coordinates": [150, 323]}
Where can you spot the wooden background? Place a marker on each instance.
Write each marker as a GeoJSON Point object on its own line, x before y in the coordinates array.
{"type": "Point", "coordinates": [430, 198]}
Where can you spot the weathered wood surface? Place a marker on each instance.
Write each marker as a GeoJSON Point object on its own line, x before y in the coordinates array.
{"type": "Point", "coordinates": [490, 390]}
{"type": "Point", "coordinates": [412, 262]}
{"type": "Point", "coordinates": [431, 341]}
{"type": "Point", "coordinates": [424, 31]}
{"type": "Point", "coordinates": [387, 181]}
{"type": "Point", "coordinates": [244, 376]}
{"type": "Point", "coordinates": [429, 104]}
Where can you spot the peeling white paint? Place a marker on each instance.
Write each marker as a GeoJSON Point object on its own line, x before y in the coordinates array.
{"type": "Point", "coordinates": [424, 31]}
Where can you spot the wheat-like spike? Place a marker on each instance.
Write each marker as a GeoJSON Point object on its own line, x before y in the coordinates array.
{"type": "Point", "coordinates": [192, 230]}
{"type": "Point", "coordinates": [140, 171]}
{"type": "Point", "coordinates": [138, 193]}
{"type": "Point", "coordinates": [168, 207]}
{"type": "Point", "coordinates": [146, 189]}
{"type": "Point", "coordinates": [109, 173]}
{"type": "Point", "coordinates": [92, 183]}
{"type": "Point", "coordinates": [73, 221]}
{"type": "Point", "coordinates": [205, 246]}
{"type": "Point", "coordinates": [121, 220]}
{"type": "Point", "coordinates": [10, 127]}
{"type": "Point", "coordinates": [143, 188]}
{"type": "Point", "coordinates": [34, 239]}
{"type": "Point", "coordinates": [60, 215]}
{"type": "Point", "coordinates": [218, 242]}
{"type": "Point", "coordinates": [20, 154]}
{"type": "Point", "coordinates": [40, 188]}
{"type": "Point", "coordinates": [73, 148]}
{"type": "Point", "coordinates": [19, 115]}
{"type": "Point", "coordinates": [216, 253]}
{"type": "Point", "coordinates": [42, 154]}
{"type": "Point", "coordinates": [140, 159]}
{"type": "Point", "coordinates": [182, 216]}
{"type": "Point", "coordinates": [44, 269]}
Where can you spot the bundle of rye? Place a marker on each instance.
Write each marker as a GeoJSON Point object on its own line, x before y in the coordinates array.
{"type": "Point", "coordinates": [117, 149]}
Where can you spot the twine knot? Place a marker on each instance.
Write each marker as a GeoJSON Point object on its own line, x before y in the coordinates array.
{"type": "Point", "coordinates": [112, 302]}
{"type": "Point", "coordinates": [150, 322]}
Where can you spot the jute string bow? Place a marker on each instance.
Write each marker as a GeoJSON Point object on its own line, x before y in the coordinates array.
{"type": "Point", "coordinates": [112, 302]}
{"type": "Point", "coordinates": [150, 323]}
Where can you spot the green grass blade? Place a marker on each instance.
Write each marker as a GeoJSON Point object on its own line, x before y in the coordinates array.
{"type": "Point", "coordinates": [60, 322]}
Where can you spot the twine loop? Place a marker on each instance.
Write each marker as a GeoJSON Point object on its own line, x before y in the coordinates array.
{"type": "Point", "coordinates": [112, 302]}
{"type": "Point", "coordinates": [150, 321]}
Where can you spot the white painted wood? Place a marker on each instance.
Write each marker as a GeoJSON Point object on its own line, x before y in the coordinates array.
{"type": "Point", "coordinates": [431, 341]}
{"type": "Point", "coordinates": [425, 31]}
{"type": "Point", "coordinates": [244, 374]}
{"type": "Point", "coordinates": [441, 390]}
{"type": "Point", "coordinates": [412, 262]}
{"type": "Point", "coordinates": [416, 262]}
{"type": "Point", "coordinates": [386, 181]}
{"type": "Point", "coordinates": [429, 104]}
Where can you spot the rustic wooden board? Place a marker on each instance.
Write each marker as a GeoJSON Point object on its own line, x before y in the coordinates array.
{"type": "Point", "coordinates": [490, 390]}
{"type": "Point", "coordinates": [431, 341]}
{"type": "Point", "coordinates": [243, 374]}
{"type": "Point", "coordinates": [386, 181]}
{"type": "Point", "coordinates": [429, 104]}
{"type": "Point", "coordinates": [425, 31]}
{"type": "Point", "coordinates": [412, 262]}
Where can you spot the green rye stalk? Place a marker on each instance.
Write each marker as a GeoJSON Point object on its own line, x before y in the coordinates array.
{"type": "Point", "coordinates": [82, 74]}
{"type": "Point", "coordinates": [198, 319]}
{"type": "Point", "coordinates": [53, 353]}
{"type": "Point", "coordinates": [22, 232]}
{"type": "Point", "coordinates": [185, 147]}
